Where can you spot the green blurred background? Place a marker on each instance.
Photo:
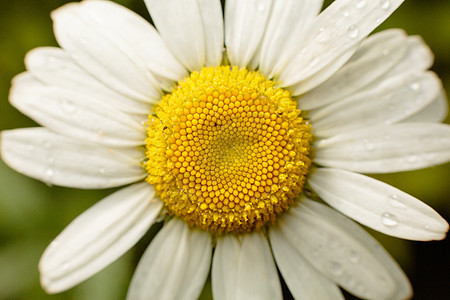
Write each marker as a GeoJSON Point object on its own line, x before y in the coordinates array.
{"type": "Point", "coordinates": [31, 213]}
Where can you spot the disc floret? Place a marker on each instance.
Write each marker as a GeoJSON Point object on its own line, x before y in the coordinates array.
{"type": "Point", "coordinates": [227, 151]}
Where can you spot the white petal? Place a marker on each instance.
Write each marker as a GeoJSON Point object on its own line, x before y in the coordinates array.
{"type": "Point", "coordinates": [376, 56]}
{"type": "Point", "coordinates": [436, 111]}
{"type": "Point", "coordinates": [143, 42]}
{"type": "Point", "coordinates": [378, 205]}
{"type": "Point", "coordinates": [338, 28]}
{"type": "Point", "coordinates": [55, 67]}
{"type": "Point", "coordinates": [55, 159]}
{"type": "Point", "coordinates": [180, 24]}
{"type": "Point", "coordinates": [108, 58]}
{"type": "Point", "coordinates": [73, 114]}
{"type": "Point", "coordinates": [344, 252]}
{"type": "Point", "coordinates": [98, 237]}
{"type": "Point", "coordinates": [323, 74]}
{"type": "Point", "coordinates": [283, 36]}
{"type": "Point", "coordinates": [245, 23]}
{"type": "Point", "coordinates": [392, 101]}
{"type": "Point", "coordinates": [418, 57]}
{"type": "Point", "coordinates": [302, 279]}
{"type": "Point", "coordinates": [174, 266]}
{"type": "Point", "coordinates": [387, 148]}
{"type": "Point", "coordinates": [243, 268]}
{"type": "Point", "coordinates": [212, 18]}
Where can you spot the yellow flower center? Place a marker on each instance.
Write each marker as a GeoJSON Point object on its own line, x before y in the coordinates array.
{"type": "Point", "coordinates": [227, 151]}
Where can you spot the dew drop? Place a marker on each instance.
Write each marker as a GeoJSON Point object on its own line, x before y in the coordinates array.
{"type": "Point", "coordinates": [260, 6]}
{"type": "Point", "coordinates": [385, 4]}
{"type": "Point", "coordinates": [386, 52]}
{"type": "Point", "coordinates": [368, 145]}
{"type": "Point", "coordinates": [415, 86]}
{"type": "Point", "coordinates": [391, 107]}
{"type": "Point", "coordinates": [351, 281]}
{"type": "Point", "coordinates": [394, 201]}
{"type": "Point", "coordinates": [323, 36]}
{"type": "Point", "coordinates": [389, 220]}
{"type": "Point", "coordinates": [428, 156]}
{"type": "Point", "coordinates": [353, 256]}
{"type": "Point", "coordinates": [314, 62]}
{"type": "Point", "coordinates": [335, 268]}
{"type": "Point", "coordinates": [411, 158]}
{"type": "Point", "coordinates": [49, 173]}
{"type": "Point", "coordinates": [67, 106]}
{"type": "Point", "coordinates": [353, 31]}
{"type": "Point", "coordinates": [360, 3]}
{"type": "Point", "coordinates": [360, 288]}
{"type": "Point", "coordinates": [333, 243]}
{"type": "Point", "coordinates": [65, 266]}
{"type": "Point", "coordinates": [344, 11]}
{"type": "Point", "coordinates": [52, 63]}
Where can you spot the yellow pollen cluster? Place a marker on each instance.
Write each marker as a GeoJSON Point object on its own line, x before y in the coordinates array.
{"type": "Point", "coordinates": [227, 151]}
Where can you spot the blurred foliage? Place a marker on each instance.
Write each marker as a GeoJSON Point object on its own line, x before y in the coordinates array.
{"type": "Point", "coordinates": [31, 213]}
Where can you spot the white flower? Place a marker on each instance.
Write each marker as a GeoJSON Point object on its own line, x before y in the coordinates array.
{"type": "Point", "coordinates": [371, 103]}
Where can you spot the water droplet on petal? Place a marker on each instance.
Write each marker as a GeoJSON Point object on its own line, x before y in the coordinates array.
{"type": "Point", "coordinates": [428, 156]}
{"type": "Point", "coordinates": [261, 6]}
{"type": "Point", "coordinates": [368, 145]}
{"type": "Point", "coordinates": [323, 36]}
{"type": "Point", "coordinates": [389, 220]}
{"type": "Point", "coordinates": [314, 62]}
{"type": "Point", "coordinates": [394, 201]}
{"type": "Point", "coordinates": [415, 86]}
{"type": "Point", "coordinates": [360, 3]}
{"type": "Point", "coordinates": [353, 256]}
{"type": "Point", "coordinates": [335, 268]}
{"type": "Point", "coordinates": [386, 52]}
{"type": "Point", "coordinates": [49, 174]}
{"type": "Point", "coordinates": [351, 281]}
{"type": "Point", "coordinates": [385, 4]}
{"type": "Point", "coordinates": [411, 158]}
{"type": "Point", "coordinates": [353, 31]}
{"type": "Point", "coordinates": [52, 63]}
{"type": "Point", "coordinates": [360, 288]}
{"type": "Point", "coordinates": [67, 106]}
{"type": "Point", "coordinates": [344, 11]}
{"type": "Point", "coordinates": [65, 266]}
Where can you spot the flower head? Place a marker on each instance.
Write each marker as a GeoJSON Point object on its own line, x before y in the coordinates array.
{"type": "Point", "coordinates": [228, 147]}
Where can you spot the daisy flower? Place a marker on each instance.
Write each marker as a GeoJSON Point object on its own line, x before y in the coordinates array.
{"type": "Point", "coordinates": [247, 131]}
